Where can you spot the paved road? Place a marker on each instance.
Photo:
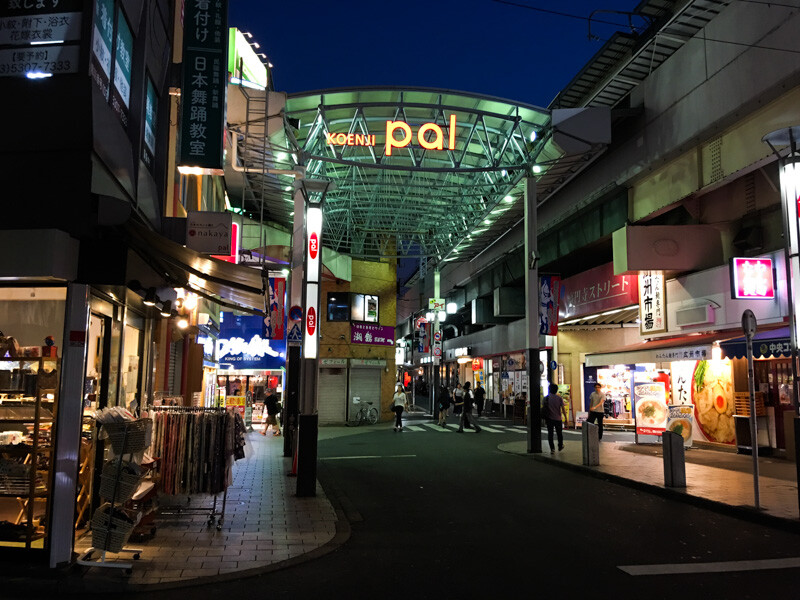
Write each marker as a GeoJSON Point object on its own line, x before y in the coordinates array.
{"type": "Point", "coordinates": [441, 515]}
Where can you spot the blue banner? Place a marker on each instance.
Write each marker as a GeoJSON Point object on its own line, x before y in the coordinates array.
{"type": "Point", "coordinates": [243, 343]}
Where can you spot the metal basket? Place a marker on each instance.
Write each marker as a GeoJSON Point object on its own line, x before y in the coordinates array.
{"type": "Point", "coordinates": [109, 533]}
{"type": "Point", "coordinates": [138, 434]}
{"type": "Point", "coordinates": [126, 488]}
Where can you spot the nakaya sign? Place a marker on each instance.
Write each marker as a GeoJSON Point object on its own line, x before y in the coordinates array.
{"type": "Point", "coordinates": [430, 136]}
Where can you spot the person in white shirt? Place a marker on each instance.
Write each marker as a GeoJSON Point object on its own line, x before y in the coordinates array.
{"type": "Point", "coordinates": [597, 409]}
{"type": "Point", "coordinates": [399, 404]}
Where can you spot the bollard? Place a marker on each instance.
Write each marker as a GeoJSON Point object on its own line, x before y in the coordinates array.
{"type": "Point", "coordinates": [591, 444]}
{"type": "Point", "coordinates": [674, 459]}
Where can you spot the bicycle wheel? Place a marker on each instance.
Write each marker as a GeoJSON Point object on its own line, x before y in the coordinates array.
{"type": "Point", "coordinates": [372, 416]}
{"type": "Point", "coordinates": [361, 416]}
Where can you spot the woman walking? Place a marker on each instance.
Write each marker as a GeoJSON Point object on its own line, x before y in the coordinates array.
{"type": "Point", "coordinates": [399, 403]}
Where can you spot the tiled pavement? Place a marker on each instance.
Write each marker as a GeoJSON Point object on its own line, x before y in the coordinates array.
{"type": "Point", "coordinates": [265, 524]}
{"type": "Point", "coordinates": [718, 480]}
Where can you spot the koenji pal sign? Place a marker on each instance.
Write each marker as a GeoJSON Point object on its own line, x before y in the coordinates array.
{"type": "Point", "coordinates": [429, 135]}
{"type": "Point", "coordinates": [313, 269]}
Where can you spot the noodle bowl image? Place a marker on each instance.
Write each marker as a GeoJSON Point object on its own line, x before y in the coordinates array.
{"type": "Point", "coordinates": [650, 413]}
{"type": "Point", "coordinates": [713, 401]}
{"type": "Point", "coordinates": [682, 427]}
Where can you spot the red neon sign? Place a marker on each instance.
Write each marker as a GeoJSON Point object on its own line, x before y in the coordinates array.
{"type": "Point", "coordinates": [752, 278]}
{"type": "Point", "coordinates": [311, 320]}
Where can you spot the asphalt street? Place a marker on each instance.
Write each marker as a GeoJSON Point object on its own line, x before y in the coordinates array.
{"type": "Point", "coordinates": [437, 514]}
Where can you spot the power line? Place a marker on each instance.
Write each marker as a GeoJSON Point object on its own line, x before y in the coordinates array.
{"type": "Point", "coordinates": [559, 13]}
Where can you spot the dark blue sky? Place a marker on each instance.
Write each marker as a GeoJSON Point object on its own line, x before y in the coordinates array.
{"type": "Point", "coordinates": [467, 45]}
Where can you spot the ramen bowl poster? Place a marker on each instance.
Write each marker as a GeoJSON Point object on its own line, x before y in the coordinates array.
{"type": "Point", "coordinates": [712, 397]}
{"type": "Point", "coordinates": [650, 407]}
{"type": "Point", "coordinates": [680, 420]}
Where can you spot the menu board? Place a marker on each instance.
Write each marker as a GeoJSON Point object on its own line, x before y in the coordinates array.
{"type": "Point", "coordinates": [680, 419]}
{"type": "Point", "coordinates": [650, 407]}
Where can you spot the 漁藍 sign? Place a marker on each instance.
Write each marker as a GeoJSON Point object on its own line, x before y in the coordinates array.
{"type": "Point", "coordinates": [752, 279]}
{"type": "Point", "coordinates": [376, 335]}
{"type": "Point", "coordinates": [205, 80]}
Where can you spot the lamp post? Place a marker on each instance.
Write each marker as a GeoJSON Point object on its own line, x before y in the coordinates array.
{"type": "Point", "coordinates": [532, 318]}
{"type": "Point", "coordinates": [313, 192]}
{"type": "Point", "coordinates": [784, 144]}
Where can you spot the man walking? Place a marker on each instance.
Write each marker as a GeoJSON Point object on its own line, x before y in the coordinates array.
{"type": "Point", "coordinates": [552, 410]}
{"type": "Point", "coordinates": [597, 401]}
{"type": "Point", "coordinates": [466, 415]}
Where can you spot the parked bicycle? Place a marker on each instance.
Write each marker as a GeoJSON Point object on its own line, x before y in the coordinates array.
{"type": "Point", "coordinates": [366, 413]}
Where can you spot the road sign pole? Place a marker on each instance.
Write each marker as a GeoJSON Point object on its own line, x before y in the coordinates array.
{"type": "Point", "coordinates": [749, 327]}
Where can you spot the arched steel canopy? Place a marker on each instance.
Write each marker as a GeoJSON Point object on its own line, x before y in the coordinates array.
{"type": "Point", "coordinates": [416, 201]}
{"type": "Point", "coordinates": [447, 204]}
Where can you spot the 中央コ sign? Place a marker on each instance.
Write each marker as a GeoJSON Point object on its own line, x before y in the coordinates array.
{"type": "Point", "coordinates": [752, 278]}
{"type": "Point", "coordinates": [429, 135]}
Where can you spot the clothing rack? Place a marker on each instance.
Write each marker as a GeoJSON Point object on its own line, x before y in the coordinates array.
{"type": "Point", "coordinates": [196, 446]}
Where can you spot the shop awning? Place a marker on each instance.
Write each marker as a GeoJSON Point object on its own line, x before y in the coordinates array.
{"type": "Point", "coordinates": [693, 347]}
{"type": "Point", "coordinates": [775, 343]}
{"type": "Point", "coordinates": [230, 285]}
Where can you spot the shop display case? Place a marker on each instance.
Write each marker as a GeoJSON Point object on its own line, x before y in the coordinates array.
{"type": "Point", "coordinates": [28, 404]}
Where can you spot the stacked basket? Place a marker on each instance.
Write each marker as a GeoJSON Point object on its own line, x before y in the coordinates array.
{"type": "Point", "coordinates": [111, 526]}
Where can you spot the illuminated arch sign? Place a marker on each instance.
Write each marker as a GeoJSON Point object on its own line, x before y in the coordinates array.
{"type": "Point", "coordinates": [430, 136]}
{"type": "Point", "coordinates": [244, 344]}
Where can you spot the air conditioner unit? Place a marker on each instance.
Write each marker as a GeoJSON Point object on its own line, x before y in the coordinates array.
{"type": "Point", "coordinates": [695, 315]}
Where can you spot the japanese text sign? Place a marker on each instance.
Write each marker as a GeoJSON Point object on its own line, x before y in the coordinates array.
{"type": "Point", "coordinates": [752, 278]}
{"type": "Point", "coordinates": [652, 303]}
{"type": "Point", "coordinates": [596, 290]}
{"type": "Point", "coordinates": [376, 335]}
{"type": "Point", "coordinates": [205, 79]}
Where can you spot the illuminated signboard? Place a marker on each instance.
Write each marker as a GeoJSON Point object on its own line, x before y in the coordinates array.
{"type": "Point", "coordinates": [430, 136]}
{"type": "Point", "coordinates": [313, 268]}
{"type": "Point", "coordinates": [752, 278]}
{"type": "Point", "coordinates": [244, 65]}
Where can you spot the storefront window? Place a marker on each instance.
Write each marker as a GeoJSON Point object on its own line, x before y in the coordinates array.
{"type": "Point", "coordinates": [31, 322]}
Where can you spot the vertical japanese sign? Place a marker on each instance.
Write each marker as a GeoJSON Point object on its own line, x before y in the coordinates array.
{"type": "Point", "coordinates": [121, 93]}
{"type": "Point", "coordinates": [652, 303]}
{"type": "Point", "coordinates": [205, 50]}
{"type": "Point", "coordinates": [312, 276]}
{"type": "Point", "coordinates": [276, 311]}
{"type": "Point", "coordinates": [549, 295]}
{"type": "Point", "coordinates": [150, 112]}
{"type": "Point", "coordinates": [102, 43]}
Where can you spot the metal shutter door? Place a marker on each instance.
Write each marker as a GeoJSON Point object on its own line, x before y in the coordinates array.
{"type": "Point", "coordinates": [332, 394]}
{"type": "Point", "coordinates": [365, 383]}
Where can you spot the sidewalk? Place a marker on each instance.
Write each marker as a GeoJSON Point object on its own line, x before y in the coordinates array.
{"type": "Point", "coordinates": [266, 527]}
{"type": "Point", "coordinates": [721, 481]}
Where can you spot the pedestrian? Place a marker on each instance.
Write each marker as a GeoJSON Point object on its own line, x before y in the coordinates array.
{"type": "Point", "coordinates": [467, 420]}
{"type": "Point", "coordinates": [444, 404]}
{"type": "Point", "coordinates": [597, 401]}
{"type": "Point", "coordinates": [480, 396]}
{"type": "Point", "coordinates": [399, 404]}
{"type": "Point", "coordinates": [458, 399]}
{"type": "Point", "coordinates": [552, 410]}
{"type": "Point", "coordinates": [273, 407]}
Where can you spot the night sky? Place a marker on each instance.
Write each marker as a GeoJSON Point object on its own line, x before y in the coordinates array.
{"type": "Point", "coordinates": [478, 46]}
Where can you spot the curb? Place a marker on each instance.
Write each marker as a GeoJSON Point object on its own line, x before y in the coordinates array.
{"type": "Point", "coordinates": [744, 513]}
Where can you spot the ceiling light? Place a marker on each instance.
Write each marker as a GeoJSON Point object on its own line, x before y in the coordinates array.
{"type": "Point", "coordinates": [183, 323]}
{"type": "Point", "coordinates": [452, 308]}
{"type": "Point", "coordinates": [150, 297]}
{"type": "Point", "coordinates": [166, 309]}
{"type": "Point", "coordinates": [508, 199]}
{"type": "Point", "coordinates": [190, 301]}
{"type": "Point", "coordinates": [537, 169]}
{"type": "Point", "coordinates": [487, 222]}
{"type": "Point", "coordinates": [533, 135]}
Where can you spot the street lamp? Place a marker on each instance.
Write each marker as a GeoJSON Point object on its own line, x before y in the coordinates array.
{"type": "Point", "coordinates": [784, 144]}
